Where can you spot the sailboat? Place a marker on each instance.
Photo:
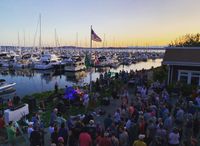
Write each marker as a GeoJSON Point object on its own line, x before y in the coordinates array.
{"type": "Point", "coordinates": [47, 60]}
{"type": "Point", "coordinates": [75, 62]}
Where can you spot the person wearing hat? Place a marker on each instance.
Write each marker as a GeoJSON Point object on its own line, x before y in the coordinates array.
{"type": "Point", "coordinates": [140, 141]}
{"type": "Point", "coordinates": [30, 129]}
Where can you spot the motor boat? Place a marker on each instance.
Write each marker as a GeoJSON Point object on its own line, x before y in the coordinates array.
{"type": "Point", "coordinates": [4, 86]}
{"type": "Point", "coordinates": [47, 61]}
{"type": "Point", "coordinates": [75, 63]}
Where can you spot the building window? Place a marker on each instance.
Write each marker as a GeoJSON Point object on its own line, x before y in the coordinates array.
{"type": "Point", "coordinates": [195, 80]}
{"type": "Point", "coordinates": [183, 79]}
{"type": "Point", "coordinates": [189, 77]}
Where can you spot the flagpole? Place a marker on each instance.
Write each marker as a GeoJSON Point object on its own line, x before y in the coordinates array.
{"type": "Point", "coordinates": [90, 58]}
{"type": "Point", "coordinates": [91, 37]}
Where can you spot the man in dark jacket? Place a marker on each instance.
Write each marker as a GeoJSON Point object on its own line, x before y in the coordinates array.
{"type": "Point", "coordinates": [35, 137]}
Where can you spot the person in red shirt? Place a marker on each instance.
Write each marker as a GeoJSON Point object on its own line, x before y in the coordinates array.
{"type": "Point", "coordinates": [84, 138]}
{"type": "Point", "coordinates": [98, 138]}
{"type": "Point", "coordinates": [2, 126]}
{"type": "Point", "coordinates": [105, 141]}
{"type": "Point", "coordinates": [10, 103]}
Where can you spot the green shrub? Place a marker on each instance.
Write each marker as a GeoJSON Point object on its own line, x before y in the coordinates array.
{"type": "Point", "coordinates": [160, 74]}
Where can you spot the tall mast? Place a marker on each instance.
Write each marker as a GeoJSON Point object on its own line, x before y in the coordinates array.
{"type": "Point", "coordinates": [55, 38]}
{"type": "Point", "coordinates": [104, 36]}
{"type": "Point", "coordinates": [40, 38]}
{"type": "Point", "coordinates": [24, 39]}
{"type": "Point", "coordinates": [18, 40]}
{"type": "Point", "coordinates": [19, 44]}
{"type": "Point", "coordinates": [77, 40]}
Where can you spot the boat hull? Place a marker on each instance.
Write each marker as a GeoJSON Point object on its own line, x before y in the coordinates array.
{"type": "Point", "coordinates": [43, 67]}
{"type": "Point", "coordinates": [7, 87]}
{"type": "Point", "coordinates": [73, 69]}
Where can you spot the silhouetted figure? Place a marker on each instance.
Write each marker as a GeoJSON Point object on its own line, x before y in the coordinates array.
{"type": "Point", "coordinates": [56, 87]}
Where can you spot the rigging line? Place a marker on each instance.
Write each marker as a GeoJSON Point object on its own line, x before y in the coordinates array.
{"type": "Point", "coordinates": [36, 33]}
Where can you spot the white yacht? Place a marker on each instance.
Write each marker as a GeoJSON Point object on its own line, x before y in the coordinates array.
{"type": "Point", "coordinates": [5, 86]}
{"type": "Point", "coordinates": [5, 59]}
{"type": "Point", "coordinates": [102, 61]}
{"type": "Point", "coordinates": [47, 61]}
{"type": "Point", "coordinates": [75, 63]}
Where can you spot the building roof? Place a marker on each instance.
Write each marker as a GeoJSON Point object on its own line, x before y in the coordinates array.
{"type": "Point", "coordinates": [187, 56]}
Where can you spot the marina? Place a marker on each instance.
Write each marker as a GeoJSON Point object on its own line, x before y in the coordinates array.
{"type": "Point", "coordinates": [100, 73]}
{"type": "Point", "coordinates": [30, 81]}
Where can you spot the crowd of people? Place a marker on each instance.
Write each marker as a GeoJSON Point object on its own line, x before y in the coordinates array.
{"type": "Point", "coordinates": [146, 115]}
{"type": "Point", "coordinates": [149, 117]}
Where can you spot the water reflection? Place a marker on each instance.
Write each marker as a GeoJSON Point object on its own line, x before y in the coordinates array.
{"type": "Point", "coordinates": [31, 81]}
{"type": "Point", "coordinates": [75, 76]}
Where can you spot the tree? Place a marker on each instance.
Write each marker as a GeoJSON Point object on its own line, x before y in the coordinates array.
{"type": "Point", "coordinates": [188, 40]}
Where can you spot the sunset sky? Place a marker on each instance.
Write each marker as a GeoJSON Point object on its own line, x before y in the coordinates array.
{"type": "Point", "coordinates": [122, 22]}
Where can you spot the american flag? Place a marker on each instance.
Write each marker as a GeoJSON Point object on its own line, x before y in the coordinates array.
{"type": "Point", "coordinates": [95, 37]}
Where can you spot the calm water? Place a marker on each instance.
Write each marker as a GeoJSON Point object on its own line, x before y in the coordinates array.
{"type": "Point", "coordinates": [30, 81]}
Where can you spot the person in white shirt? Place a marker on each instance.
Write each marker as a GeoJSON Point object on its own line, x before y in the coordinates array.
{"type": "Point", "coordinates": [86, 100]}
{"type": "Point", "coordinates": [174, 138]}
{"type": "Point", "coordinates": [198, 100]}
{"type": "Point", "coordinates": [117, 117]}
{"type": "Point", "coordinates": [30, 128]}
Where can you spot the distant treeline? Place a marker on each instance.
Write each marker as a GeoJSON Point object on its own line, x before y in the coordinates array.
{"type": "Point", "coordinates": [188, 40]}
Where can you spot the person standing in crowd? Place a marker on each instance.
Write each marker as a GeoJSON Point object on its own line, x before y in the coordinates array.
{"type": "Point", "coordinates": [173, 139]}
{"type": "Point", "coordinates": [61, 141]}
{"type": "Point", "coordinates": [10, 103]}
{"type": "Point", "coordinates": [11, 131]}
{"type": "Point", "coordinates": [86, 100]}
{"type": "Point", "coordinates": [36, 120]}
{"type": "Point", "coordinates": [84, 138]}
{"type": "Point", "coordinates": [56, 87]}
{"type": "Point", "coordinates": [108, 122]}
{"type": "Point", "coordinates": [35, 137]}
{"type": "Point", "coordinates": [105, 141]}
{"type": "Point", "coordinates": [53, 117]}
{"type": "Point", "coordinates": [16, 100]}
{"type": "Point", "coordinates": [30, 129]}
{"type": "Point", "coordinates": [117, 117]}
{"type": "Point", "coordinates": [2, 126]}
{"type": "Point", "coordinates": [114, 140]}
{"type": "Point", "coordinates": [54, 136]}
{"type": "Point", "coordinates": [140, 141]}
{"type": "Point", "coordinates": [63, 132]}
{"type": "Point", "coordinates": [123, 137]}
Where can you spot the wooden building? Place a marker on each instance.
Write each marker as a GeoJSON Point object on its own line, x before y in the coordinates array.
{"type": "Point", "coordinates": [183, 64]}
